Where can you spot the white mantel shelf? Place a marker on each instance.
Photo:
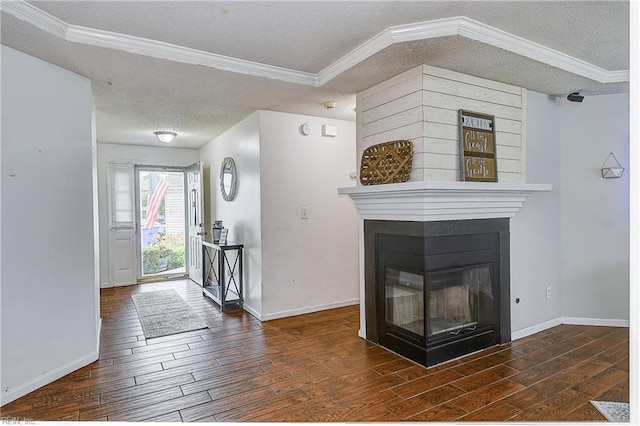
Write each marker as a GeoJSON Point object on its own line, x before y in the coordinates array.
{"type": "Point", "coordinates": [426, 201]}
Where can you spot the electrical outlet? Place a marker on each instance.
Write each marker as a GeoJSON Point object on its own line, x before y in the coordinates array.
{"type": "Point", "coordinates": [548, 292]}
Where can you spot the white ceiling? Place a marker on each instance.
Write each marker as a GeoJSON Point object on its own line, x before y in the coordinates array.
{"type": "Point", "coordinates": [199, 67]}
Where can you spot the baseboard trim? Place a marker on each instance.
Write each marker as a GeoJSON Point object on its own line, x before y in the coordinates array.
{"type": "Point", "coordinates": [109, 285]}
{"type": "Point", "coordinates": [99, 329]}
{"type": "Point", "coordinates": [515, 335]}
{"type": "Point", "coordinates": [310, 309]}
{"type": "Point", "coordinates": [598, 322]}
{"type": "Point", "coordinates": [252, 311]}
{"type": "Point", "coordinates": [47, 378]}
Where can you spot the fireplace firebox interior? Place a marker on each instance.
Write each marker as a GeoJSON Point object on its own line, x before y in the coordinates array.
{"type": "Point", "coordinates": [437, 290]}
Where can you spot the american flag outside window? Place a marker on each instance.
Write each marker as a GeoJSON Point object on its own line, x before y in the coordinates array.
{"type": "Point", "coordinates": [157, 191]}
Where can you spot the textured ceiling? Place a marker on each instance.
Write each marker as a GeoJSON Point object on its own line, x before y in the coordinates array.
{"type": "Point", "coordinates": [136, 94]}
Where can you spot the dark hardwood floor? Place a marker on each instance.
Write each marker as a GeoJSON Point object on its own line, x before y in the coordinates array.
{"type": "Point", "coordinates": [314, 368]}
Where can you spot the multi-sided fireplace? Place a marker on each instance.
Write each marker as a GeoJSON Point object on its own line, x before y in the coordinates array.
{"type": "Point", "coordinates": [437, 290]}
{"type": "Point", "coordinates": [434, 275]}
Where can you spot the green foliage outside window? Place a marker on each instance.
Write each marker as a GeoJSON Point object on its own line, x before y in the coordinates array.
{"type": "Point", "coordinates": [166, 254]}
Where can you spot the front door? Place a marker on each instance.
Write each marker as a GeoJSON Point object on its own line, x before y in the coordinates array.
{"type": "Point", "coordinates": [161, 222]}
{"type": "Point", "coordinates": [195, 218]}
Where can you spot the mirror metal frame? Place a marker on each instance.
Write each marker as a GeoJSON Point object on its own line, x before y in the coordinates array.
{"type": "Point", "coordinates": [229, 166]}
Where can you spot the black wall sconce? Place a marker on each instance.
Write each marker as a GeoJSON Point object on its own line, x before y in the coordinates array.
{"type": "Point", "coordinates": [575, 97]}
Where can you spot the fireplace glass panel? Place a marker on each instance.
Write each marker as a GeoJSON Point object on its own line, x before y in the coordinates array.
{"type": "Point", "coordinates": [459, 299]}
{"type": "Point", "coordinates": [404, 300]}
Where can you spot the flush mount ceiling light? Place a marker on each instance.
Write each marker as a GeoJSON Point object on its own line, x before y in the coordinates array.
{"type": "Point", "coordinates": [165, 137]}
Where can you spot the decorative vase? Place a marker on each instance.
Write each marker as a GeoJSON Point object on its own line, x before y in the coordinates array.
{"type": "Point", "coordinates": [217, 228]}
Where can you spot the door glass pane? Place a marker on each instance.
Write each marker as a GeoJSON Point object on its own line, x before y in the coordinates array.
{"type": "Point", "coordinates": [459, 298]}
{"type": "Point", "coordinates": [162, 222]}
{"type": "Point", "coordinates": [404, 300]}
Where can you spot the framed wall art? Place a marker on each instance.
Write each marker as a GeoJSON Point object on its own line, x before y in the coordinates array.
{"type": "Point", "coordinates": [478, 162]}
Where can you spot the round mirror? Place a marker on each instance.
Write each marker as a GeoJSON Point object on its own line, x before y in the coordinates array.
{"type": "Point", "coordinates": [228, 179]}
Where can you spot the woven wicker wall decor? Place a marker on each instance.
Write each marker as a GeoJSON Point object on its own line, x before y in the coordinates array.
{"type": "Point", "coordinates": [388, 162]}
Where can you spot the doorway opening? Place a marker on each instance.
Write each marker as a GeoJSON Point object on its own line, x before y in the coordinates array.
{"type": "Point", "coordinates": [161, 223]}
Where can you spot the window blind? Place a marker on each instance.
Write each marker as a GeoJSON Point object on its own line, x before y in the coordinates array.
{"type": "Point", "coordinates": [121, 195]}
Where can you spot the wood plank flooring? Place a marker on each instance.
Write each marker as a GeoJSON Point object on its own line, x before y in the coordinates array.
{"type": "Point", "coordinates": [314, 368]}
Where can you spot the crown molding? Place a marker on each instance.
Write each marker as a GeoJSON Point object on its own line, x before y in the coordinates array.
{"type": "Point", "coordinates": [483, 33]}
{"type": "Point", "coordinates": [386, 38]}
{"type": "Point", "coordinates": [147, 47]}
{"type": "Point", "coordinates": [31, 14]}
{"type": "Point", "coordinates": [172, 52]}
{"type": "Point", "coordinates": [455, 26]}
{"type": "Point", "coordinates": [473, 30]}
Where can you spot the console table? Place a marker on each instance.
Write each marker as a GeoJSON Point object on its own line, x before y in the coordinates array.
{"type": "Point", "coordinates": [222, 274]}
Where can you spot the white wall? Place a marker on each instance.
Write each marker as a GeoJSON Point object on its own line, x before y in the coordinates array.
{"type": "Point", "coordinates": [595, 211]}
{"type": "Point", "coordinates": [292, 266]}
{"type": "Point", "coordinates": [307, 264]}
{"type": "Point", "coordinates": [140, 155]}
{"type": "Point", "coordinates": [50, 319]}
{"type": "Point", "coordinates": [574, 239]}
{"type": "Point", "coordinates": [535, 231]}
{"type": "Point", "coordinates": [241, 216]}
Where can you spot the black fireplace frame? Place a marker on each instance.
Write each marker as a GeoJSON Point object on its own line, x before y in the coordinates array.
{"type": "Point", "coordinates": [477, 229]}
